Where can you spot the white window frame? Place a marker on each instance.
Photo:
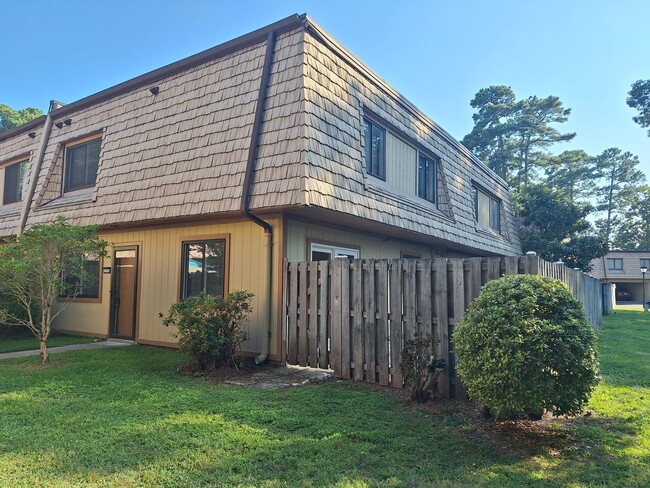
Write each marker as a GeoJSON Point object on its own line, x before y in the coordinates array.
{"type": "Point", "coordinates": [483, 213]}
{"type": "Point", "coordinates": [333, 251]}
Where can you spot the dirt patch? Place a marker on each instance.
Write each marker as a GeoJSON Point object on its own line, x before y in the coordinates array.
{"type": "Point", "coordinates": [550, 435]}
{"type": "Point", "coordinates": [268, 376]}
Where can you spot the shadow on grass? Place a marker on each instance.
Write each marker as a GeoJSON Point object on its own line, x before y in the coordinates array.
{"type": "Point", "coordinates": [121, 417]}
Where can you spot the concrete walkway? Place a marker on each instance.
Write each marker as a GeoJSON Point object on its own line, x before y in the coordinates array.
{"type": "Point", "coordinates": [70, 347]}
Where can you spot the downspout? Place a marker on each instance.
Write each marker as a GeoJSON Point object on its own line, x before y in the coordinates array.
{"type": "Point", "coordinates": [36, 170]}
{"type": "Point", "coordinates": [248, 181]}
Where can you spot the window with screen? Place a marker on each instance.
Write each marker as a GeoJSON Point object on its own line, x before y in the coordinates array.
{"type": "Point", "coordinates": [81, 163]}
{"type": "Point", "coordinates": [14, 182]}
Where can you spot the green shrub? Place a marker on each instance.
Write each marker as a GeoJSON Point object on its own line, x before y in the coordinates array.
{"type": "Point", "coordinates": [210, 329]}
{"type": "Point", "coordinates": [525, 346]}
{"type": "Point", "coordinates": [420, 367]}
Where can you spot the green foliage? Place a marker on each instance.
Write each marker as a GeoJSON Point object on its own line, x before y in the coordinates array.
{"type": "Point", "coordinates": [572, 172]}
{"type": "Point", "coordinates": [525, 345]}
{"type": "Point", "coordinates": [639, 98]}
{"type": "Point", "coordinates": [511, 135]}
{"type": "Point", "coordinates": [620, 179]}
{"type": "Point", "coordinates": [190, 432]}
{"type": "Point", "coordinates": [10, 118]}
{"type": "Point", "coordinates": [420, 367]}
{"type": "Point", "coordinates": [31, 267]}
{"type": "Point", "coordinates": [635, 233]}
{"type": "Point", "coordinates": [210, 330]}
{"type": "Point", "coordinates": [492, 136]}
{"type": "Point", "coordinates": [556, 228]}
{"type": "Point", "coordinates": [9, 307]}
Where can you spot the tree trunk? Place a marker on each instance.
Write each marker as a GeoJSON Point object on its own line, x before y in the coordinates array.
{"type": "Point", "coordinates": [610, 199]}
{"type": "Point", "coordinates": [44, 355]}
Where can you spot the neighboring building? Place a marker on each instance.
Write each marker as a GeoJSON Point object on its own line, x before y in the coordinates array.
{"type": "Point", "coordinates": [338, 162]}
{"type": "Point", "coordinates": [623, 268]}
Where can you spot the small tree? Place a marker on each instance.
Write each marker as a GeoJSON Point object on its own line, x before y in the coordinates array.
{"type": "Point", "coordinates": [525, 346]}
{"type": "Point", "coordinates": [43, 264]}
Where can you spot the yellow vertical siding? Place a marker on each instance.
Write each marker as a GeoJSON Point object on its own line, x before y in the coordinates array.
{"type": "Point", "coordinates": [160, 267]}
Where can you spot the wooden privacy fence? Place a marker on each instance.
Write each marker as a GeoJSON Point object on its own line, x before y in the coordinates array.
{"type": "Point", "coordinates": [354, 316]}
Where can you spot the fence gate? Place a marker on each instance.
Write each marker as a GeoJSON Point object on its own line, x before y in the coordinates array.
{"type": "Point", "coordinates": [354, 316]}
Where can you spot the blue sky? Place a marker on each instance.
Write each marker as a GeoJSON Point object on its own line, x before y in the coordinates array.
{"type": "Point", "coordinates": [436, 53]}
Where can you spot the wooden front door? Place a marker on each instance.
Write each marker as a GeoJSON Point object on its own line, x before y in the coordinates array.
{"type": "Point", "coordinates": [124, 292]}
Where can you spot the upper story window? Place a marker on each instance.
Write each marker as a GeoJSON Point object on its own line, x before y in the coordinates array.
{"type": "Point", "coordinates": [644, 263]}
{"type": "Point", "coordinates": [81, 163]}
{"type": "Point", "coordinates": [375, 143]}
{"type": "Point", "coordinates": [487, 209]}
{"type": "Point", "coordinates": [204, 268]}
{"type": "Point", "coordinates": [325, 252]}
{"type": "Point", "coordinates": [615, 264]}
{"type": "Point", "coordinates": [14, 182]}
{"type": "Point", "coordinates": [427, 178]}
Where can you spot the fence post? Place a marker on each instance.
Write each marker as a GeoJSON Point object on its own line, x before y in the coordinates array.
{"type": "Point", "coordinates": [302, 314]}
{"type": "Point", "coordinates": [396, 323]}
{"type": "Point", "coordinates": [292, 316]}
{"type": "Point", "coordinates": [324, 315]}
{"type": "Point", "coordinates": [531, 263]}
{"type": "Point", "coordinates": [442, 331]}
{"type": "Point", "coordinates": [370, 331]}
{"type": "Point", "coordinates": [335, 319]}
{"type": "Point", "coordinates": [312, 307]}
{"type": "Point", "coordinates": [382, 321]}
{"type": "Point", "coordinates": [285, 311]}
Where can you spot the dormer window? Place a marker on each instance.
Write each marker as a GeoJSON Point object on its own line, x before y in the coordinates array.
{"type": "Point", "coordinates": [375, 144]}
{"type": "Point", "coordinates": [81, 163]}
{"type": "Point", "coordinates": [427, 178]}
{"type": "Point", "coordinates": [14, 182]}
{"type": "Point", "coordinates": [487, 209]}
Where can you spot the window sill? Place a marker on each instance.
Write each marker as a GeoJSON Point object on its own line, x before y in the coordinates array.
{"type": "Point", "coordinates": [379, 187]}
{"type": "Point", "coordinates": [72, 198]}
{"type": "Point", "coordinates": [488, 231]}
{"type": "Point", "coordinates": [10, 209]}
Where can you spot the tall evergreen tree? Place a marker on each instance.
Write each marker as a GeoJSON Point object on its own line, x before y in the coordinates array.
{"type": "Point", "coordinates": [534, 132]}
{"type": "Point", "coordinates": [620, 178]}
{"type": "Point", "coordinates": [574, 172]}
{"type": "Point", "coordinates": [634, 230]}
{"type": "Point", "coordinates": [639, 98]}
{"type": "Point", "coordinates": [491, 138]}
{"type": "Point", "coordinates": [512, 136]}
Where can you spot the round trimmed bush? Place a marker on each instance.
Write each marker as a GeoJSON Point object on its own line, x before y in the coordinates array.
{"type": "Point", "coordinates": [525, 346]}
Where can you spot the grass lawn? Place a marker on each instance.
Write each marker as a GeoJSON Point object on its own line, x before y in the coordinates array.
{"type": "Point", "coordinates": [123, 417]}
{"type": "Point", "coordinates": [25, 342]}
